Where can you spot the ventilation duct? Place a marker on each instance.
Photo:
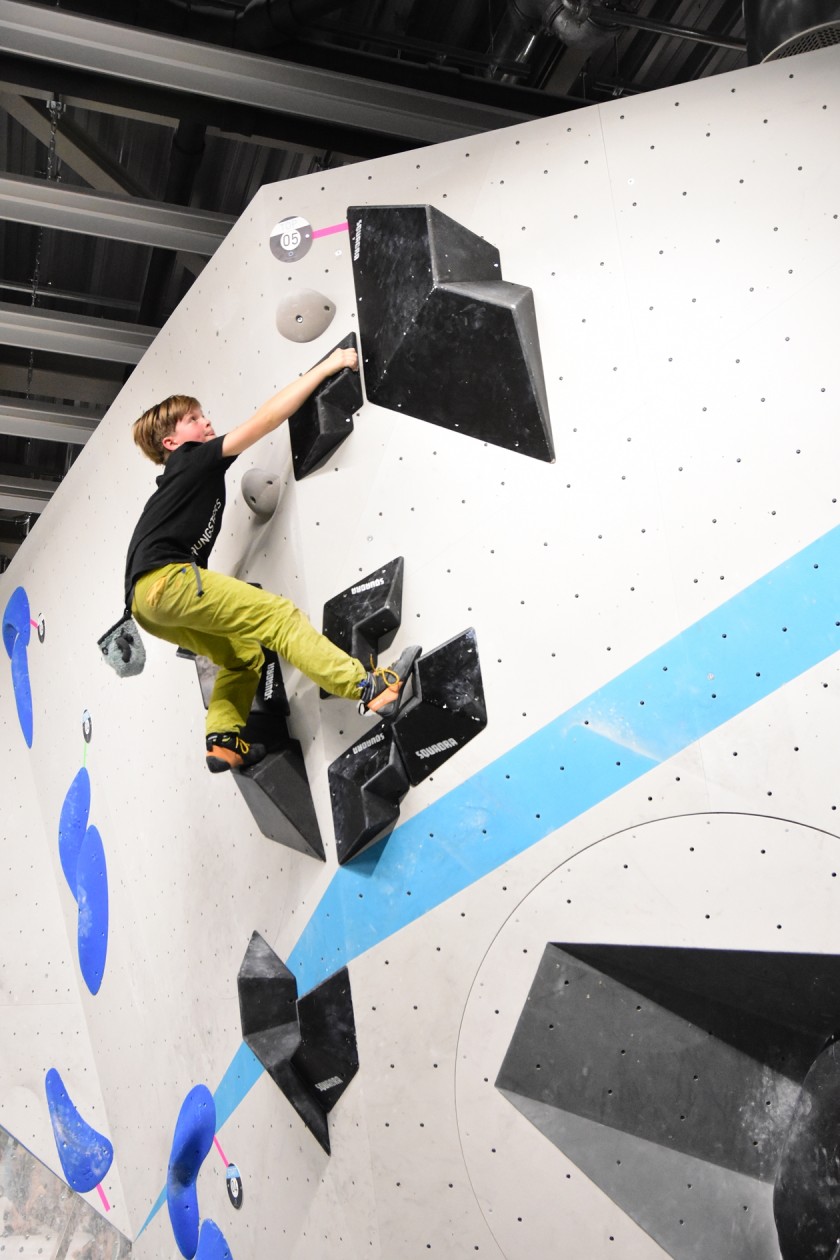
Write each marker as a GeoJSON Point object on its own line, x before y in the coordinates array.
{"type": "Point", "coordinates": [567, 20]}
{"type": "Point", "coordinates": [265, 23]}
{"type": "Point", "coordinates": [782, 28]}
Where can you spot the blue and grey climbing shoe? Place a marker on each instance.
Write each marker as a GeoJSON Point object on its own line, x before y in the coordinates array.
{"type": "Point", "coordinates": [382, 690]}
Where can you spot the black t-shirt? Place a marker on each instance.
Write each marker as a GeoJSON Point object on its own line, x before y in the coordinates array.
{"type": "Point", "coordinates": [183, 516]}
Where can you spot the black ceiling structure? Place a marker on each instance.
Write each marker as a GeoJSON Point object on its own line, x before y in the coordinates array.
{"type": "Point", "coordinates": [134, 132]}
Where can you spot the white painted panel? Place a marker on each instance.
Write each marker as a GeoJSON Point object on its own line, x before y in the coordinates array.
{"type": "Point", "coordinates": [693, 400]}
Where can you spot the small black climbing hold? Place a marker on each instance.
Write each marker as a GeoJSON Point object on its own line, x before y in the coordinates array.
{"type": "Point", "coordinates": [363, 619]}
{"type": "Point", "coordinates": [447, 708]}
{"type": "Point", "coordinates": [326, 418]}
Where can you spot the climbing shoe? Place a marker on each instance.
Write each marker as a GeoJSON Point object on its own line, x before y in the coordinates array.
{"type": "Point", "coordinates": [381, 691]}
{"type": "Point", "coordinates": [226, 750]}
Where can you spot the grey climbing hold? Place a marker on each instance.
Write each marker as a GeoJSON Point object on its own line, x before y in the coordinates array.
{"type": "Point", "coordinates": [304, 315]}
{"type": "Point", "coordinates": [261, 491]}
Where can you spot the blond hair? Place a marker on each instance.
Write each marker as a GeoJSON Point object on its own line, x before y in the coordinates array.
{"type": "Point", "coordinates": [158, 422]}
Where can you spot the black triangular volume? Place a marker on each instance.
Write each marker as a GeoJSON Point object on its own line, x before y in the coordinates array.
{"type": "Point", "coordinates": [444, 337]}
{"type": "Point", "coordinates": [363, 619]}
{"type": "Point", "coordinates": [367, 783]}
{"type": "Point", "coordinates": [326, 418]}
{"type": "Point", "coordinates": [447, 708]}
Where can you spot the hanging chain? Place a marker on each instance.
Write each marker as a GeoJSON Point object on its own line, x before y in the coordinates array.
{"type": "Point", "coordinates": [55, 109]}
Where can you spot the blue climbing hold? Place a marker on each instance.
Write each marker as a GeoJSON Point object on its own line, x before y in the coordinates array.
{"type": "Point", "coordinates": [72, 826]}
{"type": "Point", "coordinates": [195, 1129]}
{"type": "Point", "coordinates": [211, 1243]}
{"type": "Point", "coordinates": [22, 689]}
{"type": "Point", "coordinates": [17, 620]}
{"type": "Point", "coordinates": [92, 896]}
{"type": "Point", "coordinates": [85, 1154]}
{"type": "Point", "coordinates": [16, 634]}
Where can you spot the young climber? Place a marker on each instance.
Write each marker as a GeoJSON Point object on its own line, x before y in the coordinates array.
{"type": "Point", "coordinates": [172, 594]}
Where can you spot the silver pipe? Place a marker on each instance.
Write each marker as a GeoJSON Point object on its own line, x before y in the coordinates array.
{"type": "Point", "coordinates": [616, 17]}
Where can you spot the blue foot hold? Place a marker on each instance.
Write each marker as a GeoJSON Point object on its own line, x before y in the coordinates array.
{"type": "Point", "coordinates": [85, 1154]}
{"type": "Point", "coordinates": [211, 1243]}
{"type": "Point", "coordinates": [17, 630]}
{"type": "Point", "coordinates": [92, 896]}
{"type": "Point", "coordinates": [72, 826]}
{"type": "Point", "coordinates": [16, 620]}
{"type": "Point", "coordinates": [23, 690]}
{"type": "Point", "coordinates": [195, 1129]}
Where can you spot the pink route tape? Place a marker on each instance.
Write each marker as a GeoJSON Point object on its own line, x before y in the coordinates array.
{"type": "Point", "coordinates": [104, 1198]}
{"type": "Point", "coordinates": [329, 231]}
{"type": "Point", "coordinates": [218, 1147]}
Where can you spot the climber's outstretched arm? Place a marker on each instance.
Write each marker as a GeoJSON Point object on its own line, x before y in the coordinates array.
{"type": "Point", "coordinates": [278, 409]}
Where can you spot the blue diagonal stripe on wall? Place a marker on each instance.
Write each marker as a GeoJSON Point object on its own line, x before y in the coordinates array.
{"type": "Point", "coordinates": [744, 650]}
{"type": "Point", "coordinates": [777, 628]}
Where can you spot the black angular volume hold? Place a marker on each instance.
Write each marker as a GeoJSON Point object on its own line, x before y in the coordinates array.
{"type": "Point", "coordinates": [328, 1055]}
{"type": "Point", "coordinates": [268, 1000]}
{"type": "Point", "coordinates": [326, 418]}
{"type": "Point", "coordinates": [447, 708]}
{"type": "Point", "coordinates": [271, 693]}
{"type": "Point", "coordinates": [363, 619]}
{"type": "Point", "coordinates": [367, 783]}
{"type": "Point", "coordinates": [270, 696]}
{"type": "Point", "coordinates": [277, 793]}
{"type": "Point", "coordinates": [444, 337]}
{"type": "Point", "coordinates": [806, 1196]}
{"type": "Point", "coordinates": [307, 1046]}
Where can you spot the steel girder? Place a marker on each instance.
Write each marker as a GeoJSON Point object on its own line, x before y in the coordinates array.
{"type": "Point", "coordinates": [62, 38]}
{"type": "Point", "coordinates": [47, 422]}
{"type": "Point", "coordinates": [120, 218]}
{"type": "Point", "coordinates": [25, 494]}
{"type": "Point", "coordinates": [79, 335]}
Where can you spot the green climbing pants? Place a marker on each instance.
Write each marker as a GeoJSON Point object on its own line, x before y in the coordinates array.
{"type": "Point", "coordinates": [231, 621]}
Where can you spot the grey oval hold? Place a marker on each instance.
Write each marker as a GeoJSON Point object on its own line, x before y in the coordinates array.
{"type": "Point", "coordinates": [304, 315]}
{"type": "Point", "coordinates": [261, 491]}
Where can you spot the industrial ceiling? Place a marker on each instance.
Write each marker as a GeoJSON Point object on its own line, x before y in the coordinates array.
{"type": "Point", "coordinates": [132, 135]}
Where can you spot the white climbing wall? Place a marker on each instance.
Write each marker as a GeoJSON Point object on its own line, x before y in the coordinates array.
{"type": "Point", "coordinates": [683, 250]}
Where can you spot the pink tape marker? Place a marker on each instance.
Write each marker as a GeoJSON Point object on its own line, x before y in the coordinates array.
{"type": "Point", "coordinates": [219, 1149]}
{"type": "Point", "coordinates": [329, 231]}
{"type": "Point", "coordinates": [104, 1198]}
{"type": "Point", "coordinates": [33, 623]}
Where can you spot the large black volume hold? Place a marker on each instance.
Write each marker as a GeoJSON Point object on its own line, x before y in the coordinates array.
{"type": "Point", "coordinates": [444, 337]}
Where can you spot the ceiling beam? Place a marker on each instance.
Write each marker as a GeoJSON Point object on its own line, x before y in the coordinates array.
{"type": "Point", "coordinates": [25, 494]}
{"type": "Point", "coordinates": [79, 335]}
{"type": "Point", "coordinates": [43, 382]}
{"type": "Point", "coordinates": [46, 422]}
{"type": "Point", "coordinates": [71, 146]}
{"type": "Point", "coordinates": [131, 306]}
{"type": "Point", "coordinates": [66, 39]}
{"type": "Point", "coordinates": [43, 81]}
{"type": "Point", "coordinates": [86, 159]}
{"type": "Point", "coordinates": [54, 205]}
{"type": "Point", "coordinates": [109, 104]}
